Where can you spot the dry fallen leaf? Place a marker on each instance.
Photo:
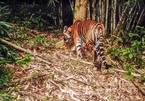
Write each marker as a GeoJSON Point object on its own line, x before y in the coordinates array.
{"type": "Point", "coordinates": [59, 44]}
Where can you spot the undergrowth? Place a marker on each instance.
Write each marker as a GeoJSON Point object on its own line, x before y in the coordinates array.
{"type": "Point", "coordinates": [130, 51]}
{"type": "Point", "coordinates": [9, 55]}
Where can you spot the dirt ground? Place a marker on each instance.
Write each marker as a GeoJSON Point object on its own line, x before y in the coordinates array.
{"type": "Point", "coordinates": [64, 79]}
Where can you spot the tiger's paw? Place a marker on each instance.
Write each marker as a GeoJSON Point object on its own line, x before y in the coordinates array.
{"type": "Point", "coordinates": [97, 65]}
{"type": "Point", "coordinates": [107, 66]}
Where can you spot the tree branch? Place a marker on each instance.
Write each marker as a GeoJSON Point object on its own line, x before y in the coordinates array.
{"type": "Point", "coordinates": [25, 51]}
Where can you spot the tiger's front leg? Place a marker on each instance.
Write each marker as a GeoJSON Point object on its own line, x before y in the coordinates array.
{"type": "Point", "coordinates": [72, 50]}
{"type": "Point", "coordinates": [78, 48]}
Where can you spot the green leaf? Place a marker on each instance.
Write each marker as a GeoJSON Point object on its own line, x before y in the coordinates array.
{"type": "Point", "coordinates": [53, 77]}
{"type": "Point", "coordinates": [136, 43]}
{"type": "Point", "coordinates": [128, 76]}
{"type": "Point", "coordinates": [25, 61]}
{"type": "Point", "coordinates": [133, 35]}
{"type": "Point", "coordinates": [140, 27]}
{"type": "Point", "coordinates": [143, 32]}
{"type": "Point", "coordinates": [142, 79]}
{"type": "Point", "coordinates": [130, 56]}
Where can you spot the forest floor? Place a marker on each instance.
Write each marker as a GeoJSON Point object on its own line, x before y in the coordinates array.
{"type": "Point", "coordinates": [65, 79]}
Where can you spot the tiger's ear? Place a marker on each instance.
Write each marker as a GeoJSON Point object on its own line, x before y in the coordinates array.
{"type": "Point", "coordinates": [65, 29]}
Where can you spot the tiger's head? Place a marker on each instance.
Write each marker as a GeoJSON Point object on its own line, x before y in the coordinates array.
{"type": "Point", "coordinates": [68, 37]}
{"type": "Point", "coordinates": [67, 34]}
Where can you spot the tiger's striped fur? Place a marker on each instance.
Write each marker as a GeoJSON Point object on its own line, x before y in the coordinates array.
{"type": "Point", "coordinates": [88, 32]}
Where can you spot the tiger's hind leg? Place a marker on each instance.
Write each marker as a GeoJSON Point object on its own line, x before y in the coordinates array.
{"type": "Point", "coordinates": [102, 56]}
{"type": "Point", "coordinates": [96, 61]}
{"type": "Point", "coordinates": [107, 66]}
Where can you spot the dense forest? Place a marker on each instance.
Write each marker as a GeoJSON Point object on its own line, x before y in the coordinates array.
{"type": "Point", "coordinates": [35, 64]}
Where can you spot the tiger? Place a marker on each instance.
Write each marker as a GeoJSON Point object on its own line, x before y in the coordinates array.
{"type": "Point", "coordinates": [86, 33]}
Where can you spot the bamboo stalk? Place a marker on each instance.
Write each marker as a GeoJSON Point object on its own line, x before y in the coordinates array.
{"type": "Point", "coordinates": [102, 7]}
{"type": "Point", "coordinates": [135, 20]}
{"type": "Point", "coordinates": [93, 10]}
{"type": "Point", "coordinates": [60, 16]}
{"type": "Point", "coordinates": [122, 7]}
{"type": "Point", "coordinates": [119, 10]}
{"type": "Point", "coordinates": [71, 5]}
{"type": "Point", "coordinates": [141, 15]}
{"type": "Point", "coordinates": [132, 13]}
{"type": "Point", "coordinates": [118, 27]}
{"type": "Point", "coordinates": [88, 14]}
{"type": "Point", "coordinates": [114, 15]}
{"type": "Point", "coordinates": [100, 11]}
{"type": "Point", "coordinates": [106, 19]}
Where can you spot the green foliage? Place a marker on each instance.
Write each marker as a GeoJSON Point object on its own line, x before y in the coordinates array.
{"type": "Point", "coordinates": [4, 28]}
{"type": "Point", "coordinates": [142, 79]}
{"type": "Point", "coordinates": [5, 76]}
{"type": "Point", "coordinates": [131, 54]}
{"type": "Point", "coordinates": [31, 16]}
{"type": "Point", "coordinates": [23, 61]}
{"type": "Point", "coordinates": [34, 21]}
{"type": "Point", "coordinates": [4, 12]}
{"type": "Point", "coordinates": [7, 55]}
{"type": "Point", "coordinates": [131, 69]}
{"type": "Point", "coordinates": [18, 33]}
{"type": "Point", "coordinates": [5, 96]}
{"type": "Point", "coordinates": [40, 39]}
{"type": "Point", "coordinates": [34, 17]}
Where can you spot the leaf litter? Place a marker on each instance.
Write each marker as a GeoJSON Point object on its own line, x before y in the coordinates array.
{"type": "Point", "coordinates": [68, 80]}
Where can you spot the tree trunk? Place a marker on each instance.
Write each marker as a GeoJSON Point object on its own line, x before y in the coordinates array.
{"type": "Point", "coordinates": [80, 10]}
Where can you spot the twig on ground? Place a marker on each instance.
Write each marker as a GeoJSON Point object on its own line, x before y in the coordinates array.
{"type": "Point", "coordinates": [133, 74]}
{"type": "Point", "coordinates": [75, 59]}
{"type": "Point", "coordinates": [122, 71]}
{"type": "Point", "coordinates": [138, 86]}
{"type": "Point", "coordinates": [66, 90]}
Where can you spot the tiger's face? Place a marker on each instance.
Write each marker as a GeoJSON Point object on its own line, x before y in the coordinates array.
{"type": "Point", "coordinates": [67, 37]}
{"type": "Point", "coordinates": [67, 34]}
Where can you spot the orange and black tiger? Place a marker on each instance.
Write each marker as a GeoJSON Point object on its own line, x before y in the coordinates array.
{"type": "Point", "coordinates": [88, 32]}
